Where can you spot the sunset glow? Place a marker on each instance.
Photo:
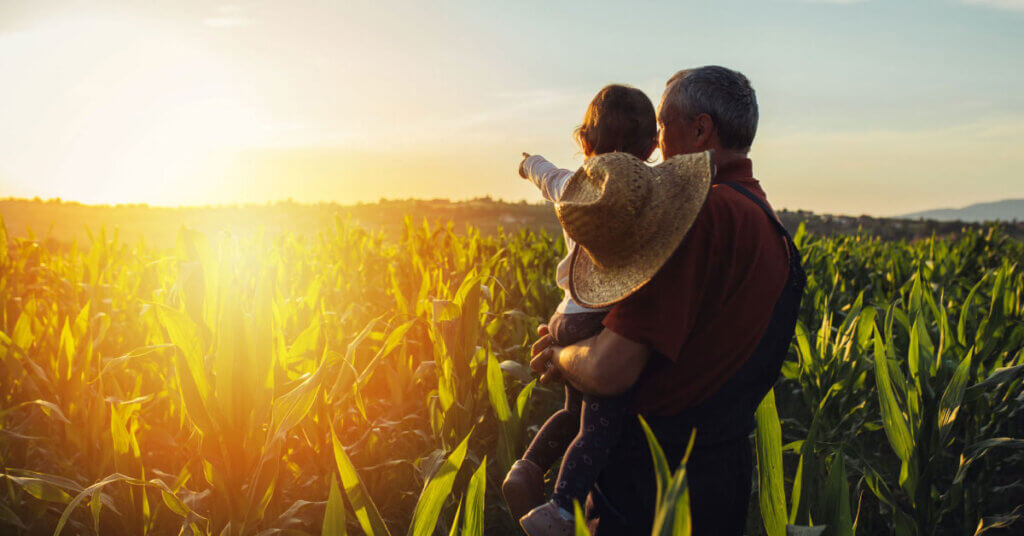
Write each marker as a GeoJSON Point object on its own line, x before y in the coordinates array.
{"type": "Point", "coordinates": [340, 267]}
{"type": "Point", "coordinates": [867, 107]}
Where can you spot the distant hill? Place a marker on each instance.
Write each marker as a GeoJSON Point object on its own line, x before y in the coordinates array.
{"type": "Point", "coordinates": [1005, 210]}
{"type": "Point", "coordinates": [67, 221]}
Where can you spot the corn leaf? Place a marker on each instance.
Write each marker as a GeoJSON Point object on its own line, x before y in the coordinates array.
{"type": "Point", "coordinates": [893, 419]}
{"type": "Point", "coordinates": [473, 523]}
{"type": "Point", "coordinates": [771, 489]}
{"type": "Point", "coordinates": [366, 512]}
{"type": "Point", "coordinates": [334, 513]}
{"type": "Point", "coordinates": [949, 405]}
{"type": "Point", "coordinates": [436, 491]}
{"type": "Point", "coordinates": [837, 499]}
{"type": "Point", "coordinates": [496, 389]}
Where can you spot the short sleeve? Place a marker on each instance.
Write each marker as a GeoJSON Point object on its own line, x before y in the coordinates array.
{"type": "Point", "coordinates": [662, 314]}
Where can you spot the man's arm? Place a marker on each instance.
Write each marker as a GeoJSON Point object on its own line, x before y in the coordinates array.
{"type": "Point", "coordinates": [607, 364]}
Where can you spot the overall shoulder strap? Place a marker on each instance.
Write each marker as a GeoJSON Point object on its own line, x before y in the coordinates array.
{"type": "Point", "coordinates": [796, 267]}
{"type": "Point", "coordinates": [757, 200]}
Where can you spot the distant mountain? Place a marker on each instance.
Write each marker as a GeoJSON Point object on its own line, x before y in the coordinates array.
{"type": "Point", "coordinates": [1005, 210]}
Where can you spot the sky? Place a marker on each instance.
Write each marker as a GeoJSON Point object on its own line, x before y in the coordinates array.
{"type": "Point", "coordinates": [875, 107]}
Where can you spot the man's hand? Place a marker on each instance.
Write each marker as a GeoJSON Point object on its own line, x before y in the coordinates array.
{"type": "Point", "coordinates": [522, 171]}
{"type": "Point", "coordinates": [543, 354]}
{"type": "Point", "coordinates": [606, 364]}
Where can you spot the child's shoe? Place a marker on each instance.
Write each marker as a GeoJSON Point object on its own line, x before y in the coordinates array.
{"type": "Point", "coordinates": [548, 519]}
{"type": "Point", "coordinates": [523, 487]}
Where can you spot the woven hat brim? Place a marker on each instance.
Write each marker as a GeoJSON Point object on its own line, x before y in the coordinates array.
{"type": "Point", "coordinates": [679, 191]}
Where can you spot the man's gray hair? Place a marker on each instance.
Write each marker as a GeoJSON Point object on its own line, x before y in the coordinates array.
{"type": "Point", "coordinates": [723, 94]}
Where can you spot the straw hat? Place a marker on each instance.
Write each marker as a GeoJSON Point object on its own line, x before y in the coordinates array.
{"type": "Point", "coordinates": [627, 219]}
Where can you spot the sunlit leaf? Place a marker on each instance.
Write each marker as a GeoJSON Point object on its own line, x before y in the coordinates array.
{"type": "Point", "coordinates": [436, 491]}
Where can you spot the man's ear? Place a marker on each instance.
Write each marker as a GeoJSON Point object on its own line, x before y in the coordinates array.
{"type": "Point", "coordinates": [704, 132]}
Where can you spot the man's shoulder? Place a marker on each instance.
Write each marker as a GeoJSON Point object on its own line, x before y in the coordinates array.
{"type": "Point", "coordinates": [723, 211]}
{"type": "Point", "coordinates": [723, 195]}
{"type": "Point", "coordinates": [726, 206]}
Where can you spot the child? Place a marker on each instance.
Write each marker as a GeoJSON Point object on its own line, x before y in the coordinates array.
{"type": "Point", "coordinates": [619, 118]}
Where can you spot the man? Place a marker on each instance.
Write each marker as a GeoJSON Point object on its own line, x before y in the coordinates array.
{"type": "Point", "coordinates": [700, 344]}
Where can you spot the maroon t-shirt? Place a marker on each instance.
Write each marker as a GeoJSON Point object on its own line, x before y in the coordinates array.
{"type": "Point", "coordinates": [705, 311]}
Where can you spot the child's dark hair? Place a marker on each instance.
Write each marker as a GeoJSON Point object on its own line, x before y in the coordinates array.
{"type": "Point", "coordinates": [620, 118]}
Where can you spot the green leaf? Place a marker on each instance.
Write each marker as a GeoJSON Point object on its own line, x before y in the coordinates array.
{"type": "Point", "coordinates": [334, 513]}
{"type": "Point", "coordinates": [346, 377]}
{"type": "Point", "coordinates": [289, 409]}
{"type": "Point", "coordinates": [661, 470]}
{"type": "Point", "coordinates": [4, 255]}
{"type": "Point", "coordinates": [396, 337]}
{"type": "Point", "coordinates": [808, 471]}
{"type": "Point", "coordinates": [523, 399]}
{"type": "Point", "coordinates": [998, 377]}
{"type": "Point", "coordinates": [496, 389]}
{"type": "Point", "coordinates": [232, 368]}
{"type": "Point", "coordinates": [119, 362]}
{"type": "Point", "coordinates": [48, 408]}
{"type": "Point", "coordinates": [865, 326]}
{"type": "Point", "coordinates": [672, 515]}
{"type": "Point", "coordinates": [473, 523]}
{"type": "Point", "coordinates": [454, 531]}
{"type": "Point", "coordinates": [95, 506]}
{"type": "Point", "coordinates": [999, 522]}
{"type": "Point", "coordinates": [178, 507]}
{"type": "Point", "coordinates": [118, 430]}
{"type": "Point", "coordinates": [893, 419]}
{"type": "Point", "coordinates": [366, 512]}
{"type": "Point", "coordinates": [975, 451]}
{"type": "Point", "coordinates": [67, 344]}
{"type": "Point", "coordinates": [772, 492]}
{"type": "Point", "coordinates": [918, 369]}
{"type": "Point", "coordinates": [949, 405]}
{"type": "Point", "coordinates": [837, 499]}
{"type": "Point", "coordinates": [579, 523]}
{"type": "Point", "coordinates": [40, 489]}
{"type": "Point", "coordinates": [307, 343]}
{"type": "Point", "coordinates": [436, 491]}
{"type": "Point", "coordinates": [189, 368]}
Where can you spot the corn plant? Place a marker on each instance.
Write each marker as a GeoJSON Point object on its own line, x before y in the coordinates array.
{"type": "Point", "coordinates": [346, 382]}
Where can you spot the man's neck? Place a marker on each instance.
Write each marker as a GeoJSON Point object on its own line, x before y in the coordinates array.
{"type": "Point", "coordinates": [731, 166]}
{"type": "Point", "coordinates": [724, 157]}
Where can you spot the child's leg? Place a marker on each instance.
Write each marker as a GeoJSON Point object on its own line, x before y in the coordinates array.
{"type": "Point", "coordinates": [551, 441]}
{"type": "Point", "coordinates": [573, 328]}
{"type": "Point", "coordinates": [600, 429]}
{"type": "Point", "coordinates": [552, 438]}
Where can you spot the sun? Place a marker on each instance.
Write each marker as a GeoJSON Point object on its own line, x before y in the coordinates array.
{"type": "Point", "coordinates": [134, 115]}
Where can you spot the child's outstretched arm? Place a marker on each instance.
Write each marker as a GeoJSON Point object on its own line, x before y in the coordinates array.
{"type": "Point", "coordinates": [549, 178]}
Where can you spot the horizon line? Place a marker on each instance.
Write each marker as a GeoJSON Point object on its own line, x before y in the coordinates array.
{"type": "Point", "coordinates": [488, 198]}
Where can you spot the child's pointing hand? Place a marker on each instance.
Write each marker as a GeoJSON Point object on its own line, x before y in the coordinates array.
{"type": "Point", "coordinates": [522, 171]}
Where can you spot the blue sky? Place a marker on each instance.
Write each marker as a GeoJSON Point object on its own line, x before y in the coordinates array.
{"type": "Point", "coordinates": [878, 107]}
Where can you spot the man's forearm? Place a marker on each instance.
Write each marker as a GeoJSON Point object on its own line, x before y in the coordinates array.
{"type": "Point", "coordinates": [604, 365]}
{"type": "Point", "coordinates": [573, 364]}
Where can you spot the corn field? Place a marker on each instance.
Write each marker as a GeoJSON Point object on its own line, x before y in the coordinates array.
{"type": "Point", "coordinates": [347, 383]}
